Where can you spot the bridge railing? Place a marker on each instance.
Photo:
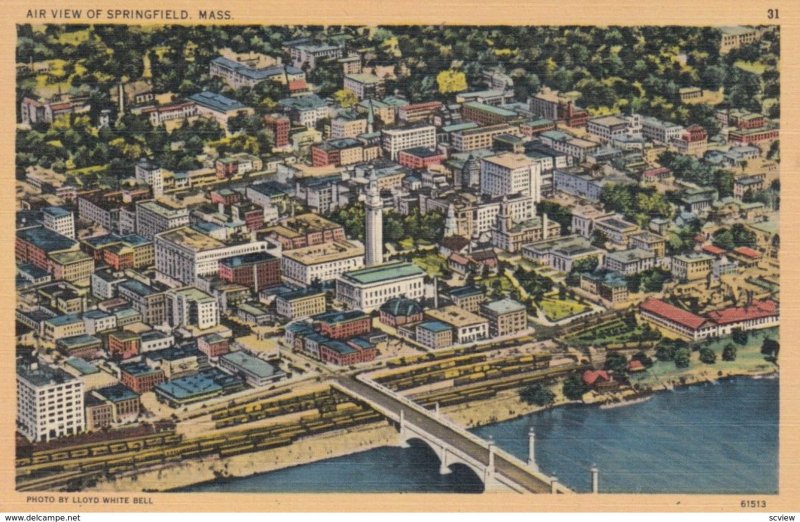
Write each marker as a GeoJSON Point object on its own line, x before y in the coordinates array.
{"type": "Point", "coordinates": [499, 452]}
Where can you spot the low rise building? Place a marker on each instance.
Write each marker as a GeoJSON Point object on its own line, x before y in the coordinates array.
{"type": "Point", "coordinates": [468, 298]}
{"type": "Point", "coordinates": [190, 306]}
{"type": "Point", "coordinates": [506, 316]}
{"type": "Point", "coordinates": [321, 263]}
{"type": "Point", "coordinates": [630, 262]}
{"type": "Point", "coordinates": [468, 327]}
{"type": "Point", "coordinates": [255, 372]}
{"type": "Point", "coordinates": [300, 304]}
{"type": "Point", "coordinates": [368, 288]}
{"type": "Point", "coordinates": [434, 334]}
{"type": "Point", "coordinates": [691, 267]}
{"type": "Point", "coordinates": [399, 311]}
{"type": "Point", "coordinates": [677, 320]}
{"type": "Point", "coordinates": [255, 271]}
{"type": "Point", "coordinates": [342, 325]}
{"type": "Point", "coordinates": [610, 286]}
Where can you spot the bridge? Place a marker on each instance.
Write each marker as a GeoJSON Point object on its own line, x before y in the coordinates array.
{"type": "Point", "coordinates": [498, 469]}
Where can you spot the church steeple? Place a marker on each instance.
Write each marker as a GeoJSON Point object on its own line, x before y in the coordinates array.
{"type": "Point", "coordinates": [450, 223]}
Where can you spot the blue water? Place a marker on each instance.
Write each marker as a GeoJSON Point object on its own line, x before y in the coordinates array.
{"type": "Point", "coordinates": [719, 438]}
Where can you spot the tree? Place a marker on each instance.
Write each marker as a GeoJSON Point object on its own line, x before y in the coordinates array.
{"type": "Point", "coordinates": [537, 394]}
{"type": "Point", "coordinates": [451, 81]}
{"type": "Point", "coordinates": [729, 352]}
{"type": "Point", "coordinates": [682, 358]}
{"type": "Point", "coordinates": [770, 347]}
{"type": "Point", "coordinates": [707, 355]}
{"type": "Point", "coordinates": [739, 336]}
{"type": "Point", "coordinates": [345, 98]}
{"type": "Point", "coordinates": [643, 358]}
{"type": "Point", "coordinates": [573, 388]}
{"type": "Point", "coordinates": [616, 362]}
{"type": "Point", "coordinates": [665, 352]}
{"type": "Point", "coordinates": [634, 281]}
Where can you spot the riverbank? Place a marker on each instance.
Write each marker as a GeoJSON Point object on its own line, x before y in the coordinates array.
{"type": "Point", "coordinates": [506, 405]}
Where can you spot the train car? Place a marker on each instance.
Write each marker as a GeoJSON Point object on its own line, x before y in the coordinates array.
{"type": "Point", "coordinates": [119, 447]}
{"type": "Point", "coordinates": [93, 466]}
{"type": "Point", "coordinates": [236, 450]}
{"type": "Point", "coordinates": [172, 439]}
{"type": "Point", "coordinates": [62, 455]}
{"type": "Point", "coordinates": [23, 462]}
{"type": "Point", "coordinates": [40, 459]}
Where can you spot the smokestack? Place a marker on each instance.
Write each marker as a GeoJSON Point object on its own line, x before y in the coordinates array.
{"type": "Point", "coordinates": [595, 479]}
{"type": "Point", "coordinates": [435, 292]}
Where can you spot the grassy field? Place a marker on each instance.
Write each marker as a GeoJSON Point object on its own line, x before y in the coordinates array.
{"type": "Point", "coordinates": [490, 282]}
{"type": "Point", "coordinates": [611, 332]}
{"type": "Point", "coordinates": [432, 263]}
{"type": "Point", "coordinates": [557, 309]}
{"type": "Point", "coordinates": [751, 67]}
{"type": "Point", "coordinates": [73, 37]}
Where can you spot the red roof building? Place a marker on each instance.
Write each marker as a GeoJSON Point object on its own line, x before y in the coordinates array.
{"type": "Point", "coordinates": [713, 250]}
{"type": "Point", "coordinates": [758, 314]}
{"type": "Point", "coordinates": [595, 377]}
{"type": "Point", "coordinates": [748, 252]}
{"type": "Point", "coordinates": [682, 322]}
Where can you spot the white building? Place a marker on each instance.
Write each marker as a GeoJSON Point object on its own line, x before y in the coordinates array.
{"type": "Point", "coordinates": [657, 130]}
{"type": "Point", "coordinates": [153, 217]}
{"type": "Point", "coordinates": [96, 321]}
{"type": "Point", "coordinates": [150, 173]}
{"type": "Point", "coordinates": [607, 128]}
{"type": "Point", "coordinates": [367, 289]}
{"type": "Point", "coordinates": [520, 207]}
{"type": "Point", "coordinates": [395, 140]}
{"type": "Point", "coordinates": [190, 306]}
{"type": "Point", "coordinates": [184, 253]}
{"type": "Point", "coordinates": [468, 327]}
{"type": "Point", "coordinates": [49, 403]}
{"type": "Point", "coordinates": [509, 173]}
{"type": "Point", "coordinates": [629, 262]}
{"type": "Point", "coordinates": [59, 220]}
{"type": "Point", "coordinates": [324, 262]}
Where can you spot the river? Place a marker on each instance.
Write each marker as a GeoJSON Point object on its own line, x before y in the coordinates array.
{"type": "Point", "coordinates": [713, 438]}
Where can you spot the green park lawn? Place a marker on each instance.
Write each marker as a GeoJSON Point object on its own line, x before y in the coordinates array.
{"type": "Point", "coordinates": [432, 263]}
{"type": "Point", "coordinates": [751, 67]}
{"type": "Point", "coordinates": [557, 309]}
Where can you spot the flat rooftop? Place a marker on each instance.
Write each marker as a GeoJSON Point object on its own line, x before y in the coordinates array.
{"type": "Point", "coordinates": [259, 368]}
{"type": "Point", "coordinates": [325, 253]}
{"type": "Point", "coordinates": [510, 160]}
{"type": "Point", "coordinates": [383, 273]}
{"type": "Point", "coordinates": [192, 239]}
{"type": "Point", "coordinates": [41, 374]}
{"type": "Point", "coordinates": [455, 316]}
{"type": "Point", "coordinates": [505, 306]}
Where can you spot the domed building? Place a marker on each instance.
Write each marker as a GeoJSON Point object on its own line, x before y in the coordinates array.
{"type": "Point", "coordinates": [399, 311]}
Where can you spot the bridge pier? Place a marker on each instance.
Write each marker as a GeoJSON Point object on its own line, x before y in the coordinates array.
{"type": "Point", "coordinates": [444, 465]}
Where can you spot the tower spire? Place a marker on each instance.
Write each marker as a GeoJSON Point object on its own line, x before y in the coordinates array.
{"type": "Point", "coordinates": [374, 222]}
